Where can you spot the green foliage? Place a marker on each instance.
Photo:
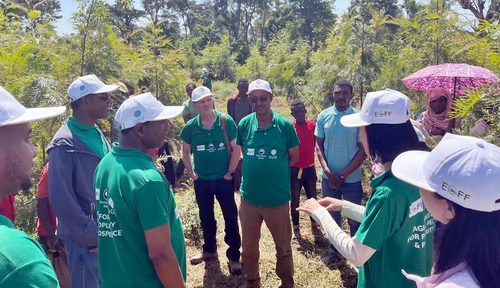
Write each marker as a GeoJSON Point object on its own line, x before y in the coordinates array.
{"type": "Point", "coordinates": [188, 210]}
{"type": "Point", "coordinates": [219, 59]}
{"type": "Point", "coordinates": [287, 62]}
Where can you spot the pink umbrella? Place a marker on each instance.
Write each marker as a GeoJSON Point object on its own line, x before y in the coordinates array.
{"type": "Point", "coordinates": [456, 78]}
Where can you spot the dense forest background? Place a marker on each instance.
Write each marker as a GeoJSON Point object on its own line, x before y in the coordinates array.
{"type": "Point", "coordinates": [300, 46]}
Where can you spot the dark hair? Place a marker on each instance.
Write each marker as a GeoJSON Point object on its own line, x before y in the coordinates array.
{"type": "Point", "coordinates": [387, 141]}
{"type": "Point", "coordinates": [471, 236]}
{"type": "Point", "coordinates": [297, 102]}
{"type": "Point", "coordinates": [343, 82]}
{"type": "Point", "coordinates": [76, 104]}
{"type": "Point", "coordinates": [191, 84]}
{"type": "Point", "coordinates": [242, 80]}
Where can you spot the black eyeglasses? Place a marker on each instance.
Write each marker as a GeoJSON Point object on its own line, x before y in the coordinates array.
{"type": "Point", "coordinates": [261, 98]}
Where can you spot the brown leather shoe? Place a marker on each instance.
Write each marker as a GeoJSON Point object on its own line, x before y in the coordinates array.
{"type": "Point", "coordinates": [202, 256]}
{"type": "Point", "coordinates": [235, 267]}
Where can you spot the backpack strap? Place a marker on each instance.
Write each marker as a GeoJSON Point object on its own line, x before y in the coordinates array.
{"type": "Point", "coordinates": [224, 129]}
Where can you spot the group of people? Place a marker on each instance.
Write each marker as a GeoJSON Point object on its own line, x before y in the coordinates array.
{"type": "Point", "coordinates": [119, 223]}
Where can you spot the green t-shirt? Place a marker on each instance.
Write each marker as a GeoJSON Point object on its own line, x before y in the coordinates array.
{"type": "Point", "coordinates": [189, 108]}
{"type": "Point", "coordinates": [211, 160]}
{"type": "Point", "coordinates": [397, 225]}
{"type": "Point", "coordinates": [23, 263]}
{"type": "Point", "coordinates": [132, 196]}
{"type": "Point", "coordinates": [266, 169]}
{"type": "Point", "coordinates": [90, 135]}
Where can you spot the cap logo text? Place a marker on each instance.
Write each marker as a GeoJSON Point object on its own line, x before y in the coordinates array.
{"type": "Point", "coordinates": [454, 191]}
{"type": "Point", "coordinates": [382, 114]}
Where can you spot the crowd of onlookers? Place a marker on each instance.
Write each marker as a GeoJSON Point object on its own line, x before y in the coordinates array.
{"type": "Point", "coordinates": [113, 210]}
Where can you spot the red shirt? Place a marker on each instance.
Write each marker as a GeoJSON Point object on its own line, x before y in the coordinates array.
{"type": "Point", "coordinates": [43, 192]}
{"type": "Point", "coordinates": [306, 147]}
{"type": "Point", "coordinates": [7, 207]}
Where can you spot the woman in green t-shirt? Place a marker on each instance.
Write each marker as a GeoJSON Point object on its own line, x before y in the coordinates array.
{"type": "Point", "coordinates": [396, 231]}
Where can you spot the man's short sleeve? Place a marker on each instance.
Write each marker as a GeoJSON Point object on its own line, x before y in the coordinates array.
{"type": "Point", "coordinates": [151, 203]}
{"type": "Point", "coordinates": [318, 131]}
{"type": "Point", "coordinates": [232, 129]}
{"type": "Point", "coordinates": [380, 220]}
{"type": "Point", "coordinates": [186, 134]}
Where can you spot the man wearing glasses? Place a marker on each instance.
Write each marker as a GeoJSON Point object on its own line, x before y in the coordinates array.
{"type": "Point", "coordinates": [74, 152]}
{"type": "Point", "coordinates": [269, 147]}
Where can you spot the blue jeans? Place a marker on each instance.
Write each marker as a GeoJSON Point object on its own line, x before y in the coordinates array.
{"type": "Point", "coordinates": [82, 265]}
{"type": "Point", "coordinates": [352, 192]}
{"type": "Point", "coordinates": [222, 189]}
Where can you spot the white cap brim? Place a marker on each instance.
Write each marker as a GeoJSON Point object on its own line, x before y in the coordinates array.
{"type": "Point", "coordinates": [408, 167]}
{"type": "Point", "coordinates": [169, 112]}
{"type": "Point", "coordinates": [353, 120]}
{"type": "Point", "coordinates": [35, 114]}
{"type": "Point", "coordinates": [107, 89]}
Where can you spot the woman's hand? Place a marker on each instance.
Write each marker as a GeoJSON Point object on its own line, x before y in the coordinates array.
{"type": "Point", "coordinates": [331, 204]}
{"type": "Point", "coordinates": [309, 206]}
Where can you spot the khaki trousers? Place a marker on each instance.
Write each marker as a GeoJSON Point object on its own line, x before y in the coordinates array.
{"type": "Point", "coordinates": [277, 220]}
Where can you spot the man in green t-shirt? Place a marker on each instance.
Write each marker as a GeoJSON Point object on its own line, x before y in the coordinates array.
{"type": "Point", "coordinates": [23, 263]}
{"type": "Point", "coordinates": [270, 146]}
{"type": "Point", "coordinates": [211, 136]}
{"type": "Point", "coordinates": [141, 240]}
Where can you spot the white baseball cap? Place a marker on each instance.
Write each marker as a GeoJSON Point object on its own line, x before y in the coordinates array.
{"type": "Point", "coordinates": [143, 108]}
{"type": "Point", "coordinates": [259, 84]}
{"type": "Point", "coordinates": [380, 107]}
{"type": "Point", "coordinates": [200, 93]}
{"type": "Point", "coordinates": [204, 70]}
{"type": "Point", "coordinates": [462, 169]}
{"type": "Point", "coordinates": [88, 84]}
{"type": "Point", "coordinates": [12, 112]}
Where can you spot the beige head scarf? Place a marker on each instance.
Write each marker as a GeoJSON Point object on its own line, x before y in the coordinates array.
{"type": "Point", "coordinates": [435, 120]}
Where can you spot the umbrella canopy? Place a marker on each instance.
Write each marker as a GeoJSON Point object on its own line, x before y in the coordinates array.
{"type": "Point", "coordinates": [456, 78]}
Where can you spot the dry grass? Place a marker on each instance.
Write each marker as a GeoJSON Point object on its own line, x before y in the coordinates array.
{"type": "Point", "coordinates": [309, 270]}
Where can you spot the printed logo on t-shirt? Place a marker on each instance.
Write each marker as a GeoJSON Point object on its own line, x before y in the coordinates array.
{"type": "Point", "coordinates": [211, 147]}
{"type": "Point", "coordinates": [416, 207]}
{"type": "Point", "coordinates": [250, 151]}
{"type": "Point", "coordinates": [221, 145]}
{"type": "Point", "coordinates": [97, 194]}
{"type": "Point", "coordinates": [261, 154]}
{"type": "Point", "coordinates": [106, 221]}
{"type": "Point", "coordinates": [200, 147]}
{"type": "Point", "coordinates": [273, 154]}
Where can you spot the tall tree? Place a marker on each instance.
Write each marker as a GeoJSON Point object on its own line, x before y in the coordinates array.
{"type": "Point", "coordinates": [313, 19]}
{"type": "Point", "coordinates": [124, 16]}
{"type": "Point", "coordinates": [482, 9]}
{"type": "Point", "coordinates": [34, 12]}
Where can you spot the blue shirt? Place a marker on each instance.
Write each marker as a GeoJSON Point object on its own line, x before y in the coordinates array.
{"type": "Point", "coordinates": [341, 143]}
